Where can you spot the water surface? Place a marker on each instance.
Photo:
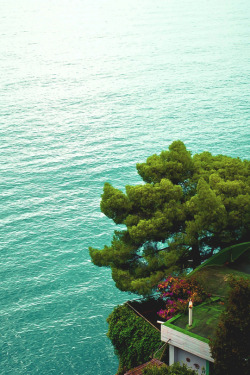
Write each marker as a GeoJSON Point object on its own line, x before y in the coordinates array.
{"type": "Point", "coordinates": [88, 89]}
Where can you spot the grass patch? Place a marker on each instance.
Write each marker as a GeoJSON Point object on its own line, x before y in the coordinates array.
{"type": "Point", "coordinates": [205, 319]}
{"type": "Point", "coordinates": [214, 279]}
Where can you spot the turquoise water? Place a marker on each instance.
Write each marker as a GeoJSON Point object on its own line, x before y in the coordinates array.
{"type": "Point", "coordinates": [88, 89]}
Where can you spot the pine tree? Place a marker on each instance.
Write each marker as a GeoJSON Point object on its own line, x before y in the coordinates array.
{"type": "Point", "coordinates": [188, 205]}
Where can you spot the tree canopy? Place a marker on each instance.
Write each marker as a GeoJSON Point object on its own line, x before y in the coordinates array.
{"type": "Point", "coordinates": [186, 208]}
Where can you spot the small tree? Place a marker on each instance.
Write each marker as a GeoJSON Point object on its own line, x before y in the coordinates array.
{"type": "Point", "coordinates": [231, 346]}
{"type": "Point", "coordinates": [177, 292]}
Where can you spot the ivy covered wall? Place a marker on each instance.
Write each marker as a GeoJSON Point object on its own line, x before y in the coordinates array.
{"type": "Point", "coordinates": [133, 338]}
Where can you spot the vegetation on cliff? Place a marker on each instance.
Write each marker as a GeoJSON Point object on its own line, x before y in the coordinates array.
{"type": "Point", "coordinates": [133, 338]}
{"type": "Point", "coordinates": [222, 274]}
{"type": "Point", "coordinates": [231, 346]}
{"type": "Point", "coordinates": [191, 205]}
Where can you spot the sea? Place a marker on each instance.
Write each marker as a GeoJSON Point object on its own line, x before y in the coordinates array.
{"type": "Point", "coordinates": [89, 88]}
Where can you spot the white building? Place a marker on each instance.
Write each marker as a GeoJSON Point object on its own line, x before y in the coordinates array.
{"type": "Point", "coordinates": [190, 344]}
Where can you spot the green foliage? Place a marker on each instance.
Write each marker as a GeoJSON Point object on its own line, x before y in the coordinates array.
{"type": "Point", "coordinates": [231, 347]}
{"type": "Point", "coordinates": [134, 340]}
{"type": "Point", "coordinates": [192, 205]}
{"type": "Point", "coordinates": [176, 165]}
{"type": "Point", "coordinates": [175, 369]}
{"type": "Point", "coordinates": [114, 204]}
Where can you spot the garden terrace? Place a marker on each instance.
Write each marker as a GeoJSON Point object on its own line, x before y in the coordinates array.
{"type": "Point", "coordinates": [214, 273]}
{"type": "Point", "coordinates": [205, 320]}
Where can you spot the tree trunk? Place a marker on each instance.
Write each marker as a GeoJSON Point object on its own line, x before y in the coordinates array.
{"type": "Point", "coordinates": [195, 253]}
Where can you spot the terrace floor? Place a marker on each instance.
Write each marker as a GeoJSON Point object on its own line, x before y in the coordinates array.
{"type": "Point", "coordinates": [205, 319]}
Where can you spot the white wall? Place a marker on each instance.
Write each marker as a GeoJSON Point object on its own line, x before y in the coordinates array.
{"type": "Point", "coordinates": [179, 355]}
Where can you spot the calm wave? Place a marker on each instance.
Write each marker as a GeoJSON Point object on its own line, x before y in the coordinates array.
{"type": "Point", "coordinates": [88, 89]}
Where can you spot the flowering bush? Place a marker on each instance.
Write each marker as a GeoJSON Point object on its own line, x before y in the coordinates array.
{"type": "Point", "coordinates": [177, 292]}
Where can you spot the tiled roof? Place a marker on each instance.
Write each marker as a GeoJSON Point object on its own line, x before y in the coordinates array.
{"type": "Point", "coordinates": [138, 370]}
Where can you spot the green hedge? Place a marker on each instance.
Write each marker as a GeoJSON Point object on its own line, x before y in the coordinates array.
{"type": "Point", "coordinates": [133, 338]}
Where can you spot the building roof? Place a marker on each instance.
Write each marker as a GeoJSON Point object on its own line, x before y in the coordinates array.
{"type": "Point", "coordinates": [205, 319]}
{"type": "Point", "coordinates": [139, 369]}
{"type": "Point", "coordinates": [185, 340]}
